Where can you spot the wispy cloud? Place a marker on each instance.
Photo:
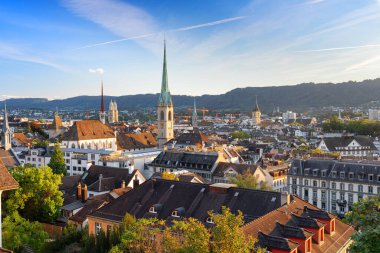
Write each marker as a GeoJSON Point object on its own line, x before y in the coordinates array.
{"type": "Point", "coordinates": [364, 63]}
{"type": "Point", "coordinates": [337, 48]}
{"type": "Point", "coordinates": [182, 29]}
{"type": "Point", "coordinates": [11, 52]}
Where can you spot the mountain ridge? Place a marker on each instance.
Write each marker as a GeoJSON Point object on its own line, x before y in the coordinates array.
{"type": "Point", "coordinates": [295, 97]}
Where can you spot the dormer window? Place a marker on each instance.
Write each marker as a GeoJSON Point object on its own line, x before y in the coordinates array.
{"type": "Point", "coordinates": [351, 175]}
{"type": "Point", "coordinates": [175, 214]}
{"type": "Point", "coordinates": [315, 172]}
{"type": "Point", "coordinates": [342, 175]}
{"type": "Point", "coordinates": [209, 220]}
{"type": "Point", "coordinates": [370, 177]}
{"type": "Point", "coordinates": [323, 173]}
{"type": "Point", "coordinates": [333, 174]}
{"type": "Point", "coordinates": [152, 209]}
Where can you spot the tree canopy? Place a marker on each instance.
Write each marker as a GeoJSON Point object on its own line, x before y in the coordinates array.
{"type": "Point", "coordinates": [38, 196]}
{"type": "Point", "coordinates": [365, 217]}
{"type": "Point", "coordinates": [240, 135]}
{"type": "Point", "coordinates": [57, 161]}
{"type": "Point", "coordinates": [18, 232]}
{"type": "Point", "coordinates": [249, 180]}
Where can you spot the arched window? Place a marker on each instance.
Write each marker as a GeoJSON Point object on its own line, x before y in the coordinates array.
{"type": "Point", "coordinates": [73, 145]}
{"type": "Point", "coordinates": [82, 146]}
{"type": "Point", "coordinates": [162, 116]}
{"type": "Point", "coordinates": [170, 115]}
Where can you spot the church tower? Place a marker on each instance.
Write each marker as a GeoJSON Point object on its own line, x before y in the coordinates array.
{"type": "Point", "coordinates": [194, 118]}
{"type": "Point", "coordinates": [256, 114]}
{"type": "Point", "coordinates": [113, 113]}
{"type": "Point", "coordinates": [165, 111]}
{"type": "Point", "coordinates": [6, 135]}
{"type": "Point", "coordinates": [102, 113]}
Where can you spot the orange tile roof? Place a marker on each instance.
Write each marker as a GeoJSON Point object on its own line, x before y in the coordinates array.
{"type": "Point", "coordinates": [88, 130]}
{"type": "Point", "coordinates": [283, 215]}
{"type": "Point", "coordinates": [7, 182]}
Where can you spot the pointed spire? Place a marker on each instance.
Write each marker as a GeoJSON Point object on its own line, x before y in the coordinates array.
{"type": "Point", "coordinates": [257, 109]}
{"type": "Point", "coordinates": [102, 100]}
{"type": "Point", "coordinates": [165, 97]}
{"type": "Point", "coordinates": [5, 124]}
{"type": "Point", "coordinates": [195, 115]}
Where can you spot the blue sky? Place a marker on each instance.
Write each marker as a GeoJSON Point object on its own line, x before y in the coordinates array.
{"type": "Point", "coordinates": [47, 48]}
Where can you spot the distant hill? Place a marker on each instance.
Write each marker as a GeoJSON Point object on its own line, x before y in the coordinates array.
{"type": "Point", "coordinates": [293, 97]}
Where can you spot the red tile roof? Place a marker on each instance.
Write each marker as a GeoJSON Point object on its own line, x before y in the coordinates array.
{"type": "Point", "coordinates": [268, 224]}
{"type": "Point", "coordinates": [7, 182]}
{"type": "Point", "coordinates": [88, 130]}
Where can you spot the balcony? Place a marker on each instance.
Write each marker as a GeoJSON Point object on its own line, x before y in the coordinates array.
{"type": "Point", "coordinates": [341, 202]}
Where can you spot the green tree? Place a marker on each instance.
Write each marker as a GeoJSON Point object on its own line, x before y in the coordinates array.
{"type": "Point", "coordinates": [18, 232]}
{"type": "Point", "coordinates": [186, 236]}
{"type": "Point", "coordinates": [227, 236]}
{"type": "Point", "coordinates": [240, 135]}
{"type": "Point", "coordinates": [57, 161]}
{"type": "Point", "coordinates": [38, 197]}
{"type": "Point", "coordinates": [249, 181]}
{"type": "Point", "coordinates": [365, 217]}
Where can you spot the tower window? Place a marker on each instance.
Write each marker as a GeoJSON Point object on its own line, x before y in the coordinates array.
{"type": "Point", "coordinates": [162, 115]}
{"type": "Point", "coordinates": [170, 115]}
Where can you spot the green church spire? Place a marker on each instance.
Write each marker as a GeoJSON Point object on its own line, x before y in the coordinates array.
{"type": "Point", "coordinates": [165, 97]}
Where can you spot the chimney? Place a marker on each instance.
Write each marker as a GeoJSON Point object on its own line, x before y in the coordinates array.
{"type": "Point", "coordinates": [79, 191]}
{"type": "Point", "coordinates": [123, 184]}
{"type": "Point", "coordinates": [100, 181]}
{"type": "Point", "coordinates": [84, 193]}
{"type": "Point", "coordinates": [136, 182]}
{"type": "Point", "coordinates": [285, 198]}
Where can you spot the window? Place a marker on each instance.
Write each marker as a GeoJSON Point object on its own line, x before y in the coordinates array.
{"type": "Point", "coordinates": [295, 190]}
{"type": "Point", "coordinates": [323, 184]}
{"type": "Point", "coordinates": [342, 174]}
{"type": "Point", "coordinates": [323, 173]}
{"type": "Point", "coordinates": [175, 213]}
{"type": "Point", "coordinates": [370, 177]}
{"type": "Point", "coordinates": [98, 227]}
{"type": "Point", "coordinates": [315, 183]}
{"type": "Point", "coordinates": [333, 195]}
{"type": "Point", "coordinates": [333, 207]}
{"type": "Point", "coordinates": [323, 205]}
{"type": "Point", "coordinates": [170, 115]}
{"type": "Point", "coordinates": [333, 185]}
{"type": "Point", "coordinates": [306, 182]}
{"type": "Point", "coordinates": [342, 209]}
{"type": "Point", "coordinates": [315, 172]}
{"type": "Point", "coordinates": [342, 196]}
{"type": "Point", "coordinates": [351, 175]}
{"type": "Point", "coordinates": [152, 209]}
{"type": "Point", "coordinates": [314, 194]}
{"type": "Point", "coordinates": [342, 186]}
{"type": "Point", "coordinates": [294, 180]}
{"type": "Point", "coordinates": [333, 174]}
{"type": "Point", "coordinates": [378, 178]}
{"type": "Point", "coordinates": [306, 193]}
{"type": "Point", "coordinates": [209, 220]}
{"type": "Point", "coordinates": [323, 195]}
{"type": "Point", "coordinates": [350, 187]}
{"type": "Point", "coordinates": [350, 198]}
{"type": "Point", "coordinates": [162, 115]}
{"type": "Point", "coordinates": [360, 188]}
{"type": "Point", "coordinates": [370, 189]}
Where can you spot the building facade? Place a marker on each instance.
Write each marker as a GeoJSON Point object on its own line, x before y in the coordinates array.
{"type": "Point", "coordinates": [333, 185]}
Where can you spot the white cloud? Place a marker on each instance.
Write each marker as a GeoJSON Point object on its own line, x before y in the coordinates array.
{"type": "Point", "coordinates": [97, 71]}
{"type": "Point", "coordinates": [12, 52]}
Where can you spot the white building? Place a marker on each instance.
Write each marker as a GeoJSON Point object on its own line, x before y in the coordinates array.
{"type": "Point", "coordinates": [90, 134]}
{"type": "Point", "coordinates": [289, 116]}
{"type": "Point", "coordinates": [349, 146]}
{"type": "Point", "coordinates": [333, 185]}
{"type": "Point", "coordinates": [373, 114]}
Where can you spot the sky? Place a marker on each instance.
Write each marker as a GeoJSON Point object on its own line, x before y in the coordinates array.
{"type": "Point", "coordinates": [63, 48]}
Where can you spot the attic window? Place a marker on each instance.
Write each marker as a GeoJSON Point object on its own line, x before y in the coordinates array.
{"type": "Point", "coordinates": [152, 209]}
{"type": "Point", "coordinates": [175, 214]}
{"type": "Point", "coordinates": [209, 220]}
